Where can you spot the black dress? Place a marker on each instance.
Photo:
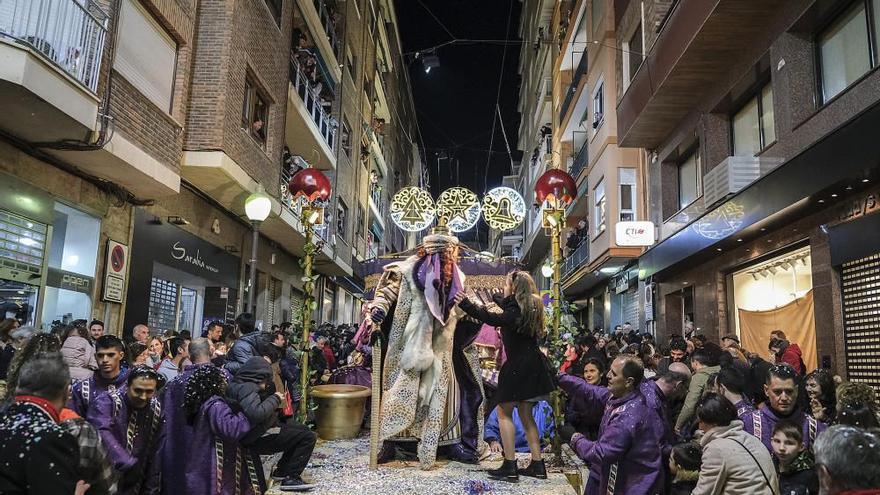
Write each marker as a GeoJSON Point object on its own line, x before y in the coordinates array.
{"type": "Point", "coordinates": [526, 374]}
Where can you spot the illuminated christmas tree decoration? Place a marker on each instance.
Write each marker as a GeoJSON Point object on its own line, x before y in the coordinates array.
{"type": "Point", "coordinates": [460, 207]}
{"type": "Point", "coordinates": [503, 208]}
{"type": "Point", "coordinates": [412, 209]}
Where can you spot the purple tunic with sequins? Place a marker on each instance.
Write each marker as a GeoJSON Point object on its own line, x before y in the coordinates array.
{"type": "Point", "coordinates": [215, 463]}
{"type": "Point", "coordinates": [83, 393]}
{"type": "Point", "coordinates": [626, 459]}
{"type": "Point", "coordinates": [179, 434]}
{"type": "Point", "coordinates": [760, 423]}
{"type": "Point", "coordinates": [133, 438]}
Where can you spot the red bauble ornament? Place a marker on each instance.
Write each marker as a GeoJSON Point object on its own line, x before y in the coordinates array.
{"type": "Point", "coordinates": [311, 183]}
{"type": "Point", "coordinates": [555, 184]}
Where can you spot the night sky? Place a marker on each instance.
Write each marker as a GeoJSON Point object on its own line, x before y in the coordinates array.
{"type": "Point", "coordinates": [455, 102]}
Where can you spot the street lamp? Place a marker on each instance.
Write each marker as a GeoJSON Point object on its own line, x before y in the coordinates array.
{"type": "Point", "coordinates": [555, 190]}
{"type": "Point", "coordinates": [315, 189]}
{"type": "Point", "coordinates": [257, 208]}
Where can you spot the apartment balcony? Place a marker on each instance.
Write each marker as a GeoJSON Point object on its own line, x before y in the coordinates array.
{"type": "Point", "coordinates": [579, 257]}
{"type": "Point", "coordinates": [574, 88]}
{"type": "Point", "coordinates": [309, 129]}
{"type": "Point", "coordinates": [580, 162]}
{"type": "Point", "coordinates": [328, 26]}
{"type": "Point", "coordinates": [377, 204]}
{"type": "Point", "coordinates": [699, 42]}
{"type": "Point", "coordinates": [51, 54]}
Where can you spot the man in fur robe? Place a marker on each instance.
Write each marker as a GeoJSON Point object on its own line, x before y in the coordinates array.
{"type": "Point", "coordinates": [431, 389]}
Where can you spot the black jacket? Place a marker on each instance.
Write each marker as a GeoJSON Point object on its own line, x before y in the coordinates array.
{"type": "Point", "coordinates": [244, 394]}
{"type": "Point", "coordinates": [246, 347]}
{"type": "Point", "coordinates": [36, 454]}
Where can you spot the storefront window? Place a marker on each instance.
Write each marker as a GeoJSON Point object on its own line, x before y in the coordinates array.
{"type": "Point", "coordinates": [73, 257]}
{"type": "Point", "coordinates": [776, 295]}
{"type": "Point", "coordinates": [327, 308]}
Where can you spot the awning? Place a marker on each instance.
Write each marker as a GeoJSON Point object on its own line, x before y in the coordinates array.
{"type": "Point", "coordinates": [842, 158]}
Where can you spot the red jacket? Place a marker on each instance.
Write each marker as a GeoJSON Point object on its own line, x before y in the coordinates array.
{"type": "Point", "coordinates": [328, 355]}
{"type": "Point", "coordinates": [793, 357]}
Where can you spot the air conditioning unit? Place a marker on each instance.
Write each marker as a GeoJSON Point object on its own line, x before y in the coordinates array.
{"type": "Point", "coordinates": [734, 174]}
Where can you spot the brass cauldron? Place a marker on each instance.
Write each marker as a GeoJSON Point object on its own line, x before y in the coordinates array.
{"type": "Point", "coordinates": [340, 410]}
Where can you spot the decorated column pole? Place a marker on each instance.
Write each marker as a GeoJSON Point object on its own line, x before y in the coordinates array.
{"type": "Point", "coordinates": [308, 307]}
{"type": "Point", "coordinates": [313, 189]}
{"type": "Point", "coordinates": [555, 190]}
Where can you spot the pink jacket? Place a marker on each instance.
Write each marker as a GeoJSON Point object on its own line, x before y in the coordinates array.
{"type": "Point", "coordinates": [80, 357]}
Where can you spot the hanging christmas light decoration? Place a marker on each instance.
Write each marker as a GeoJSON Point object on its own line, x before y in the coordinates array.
{"type": "Point", "coordinates": [460, 207]}
{"type": "Point", "coordinates": [412, 209]}
{"type": "Point", "coordinates": [503, 208]}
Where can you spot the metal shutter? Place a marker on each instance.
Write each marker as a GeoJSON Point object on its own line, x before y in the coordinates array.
{"type": "Point", "coordinates": [861, 319]}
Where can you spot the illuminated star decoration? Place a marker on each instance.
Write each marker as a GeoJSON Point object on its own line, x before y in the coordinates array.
{"type": "Point", "coordinates": [725, 220]}
{"type": "Point", "coordinates": [503, 208]}
{"type": "Point", "coordinates": [460, 207]}
{"type": "Point", "coordinates": [412, 209]}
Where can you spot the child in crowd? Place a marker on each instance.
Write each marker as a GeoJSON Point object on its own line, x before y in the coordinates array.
{"type": "Point", "coordinates": [797, 473]}
{"type": "Point", "coordinates": [684, 466]}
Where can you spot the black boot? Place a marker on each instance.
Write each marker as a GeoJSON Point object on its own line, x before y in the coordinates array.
{"type": "Point", "coordinates": [536, 469]}
{"type": "Point", "coordinates": [507, 472]}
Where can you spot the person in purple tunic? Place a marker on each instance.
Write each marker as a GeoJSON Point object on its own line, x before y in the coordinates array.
{"type": "Point", "coordinates": [111, 375]}
{"type": "Point", "coordinates": [782, 394]}
{"type": "Point", "coordinates": [626, 459]}
{"type": "Point", "coordinates": [131, 424]}
{"type": "Point", "coordinates": [179, 436]}
{"type": "Point", "coordinates": [590, 400]}
{"type": "Point", "coordinates": [214, 455]}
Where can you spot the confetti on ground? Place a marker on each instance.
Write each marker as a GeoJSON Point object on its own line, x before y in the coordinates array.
{"type": "Point", "coordinates": [341, 467]}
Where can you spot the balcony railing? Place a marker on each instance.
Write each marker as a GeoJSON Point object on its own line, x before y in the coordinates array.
{"type": "Point", "coordinates": [580, 160]}
{"type": "Point", "coordinates": [576, 259]}
{"type": "Point", "coordinates": [329, 27]}
{"type": "Point", "coordinates": [295, 207]}
{"type": "Point", "coordinates": [312, 101]}
{"type": "Point", "coordinates": [572, 90]}
{"type": "Point", "coordinates": [69, 33]}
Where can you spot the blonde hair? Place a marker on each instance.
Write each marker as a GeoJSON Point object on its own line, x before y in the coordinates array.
{"type": "Point", "coordinates": [531, 308]}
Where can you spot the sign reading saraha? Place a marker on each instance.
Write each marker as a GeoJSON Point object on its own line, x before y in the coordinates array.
{"type": "Point", "coordinates": [634, 234]}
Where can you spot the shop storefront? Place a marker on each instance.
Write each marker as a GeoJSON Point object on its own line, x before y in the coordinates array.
{"type": "Point", "coordinates": [624, 291]}
{"type": "Point", "coordinates": [775, 293]}
{"type": "Point", "coordinates": [48, 257]}
{"type": "Point", "coordinates": [855, 254]}
{"type": "Point", "coordinates": [177, 280]}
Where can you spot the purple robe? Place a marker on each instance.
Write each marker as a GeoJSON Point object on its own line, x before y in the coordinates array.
{"type": "Point", "coordinates": [586, 401]}
{"type": "Point", "coordinates": [179, 434]}
{"type": "Point", "coordinates": [133, 438]}
{"type": "Point", "coordinates": [213, 455]}
{"type": "Point", "coordinates": [764, 419]}
{"type": "Point", "coordinates": [744, 407]}
{"type": "Point", "coordinates": [83, 393]}
{"type": "Point", "coordinates": [626, 458]}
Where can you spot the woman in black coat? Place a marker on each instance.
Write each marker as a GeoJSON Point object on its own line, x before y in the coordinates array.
{"type": "Point", "coordinates": [525, 377]}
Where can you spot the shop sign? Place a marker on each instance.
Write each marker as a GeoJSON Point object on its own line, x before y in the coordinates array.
{"type": "Point", "coordinates": [862, 205]}
{"type": "Point", "coordinates": [115, 271]}
{"type": "Point", "coordinates": [63, 279]}
{"type": "Point", "coordinates": [648, 295]}
{"type": "Point", "coordinates": [634, 234]}
{"type": "Point", "coordinates": [178, 252]}
{"type": "Point", "coordinates": [622, 283]}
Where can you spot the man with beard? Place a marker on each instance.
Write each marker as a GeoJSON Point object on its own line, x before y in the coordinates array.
{"type": "Point", "coordinates": [430, 390]}
{"type": "Point", "coordinates": [131, 424]}
{"type": "Point", "coordinates": [782, 393]}
{"type": "Point", "coordinates": [111, 375]}
{"type": "Point", "coordinates": [678, 353]}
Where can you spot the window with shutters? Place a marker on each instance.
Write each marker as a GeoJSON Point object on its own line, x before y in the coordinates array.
{"type": "Point", "coordinates": [146, 55]}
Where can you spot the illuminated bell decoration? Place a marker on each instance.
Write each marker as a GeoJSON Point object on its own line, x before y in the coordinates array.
{"type": "Point", "coordinates": [555, 186]}
{"type": "Point", "coordinates": [503, 208]}
{"type": "Point", "coordinates": [460, 207]}
{"type": "Point", "coordinates": [412, 209]}
{"type": "Point", "coordinates": [311, 184]}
